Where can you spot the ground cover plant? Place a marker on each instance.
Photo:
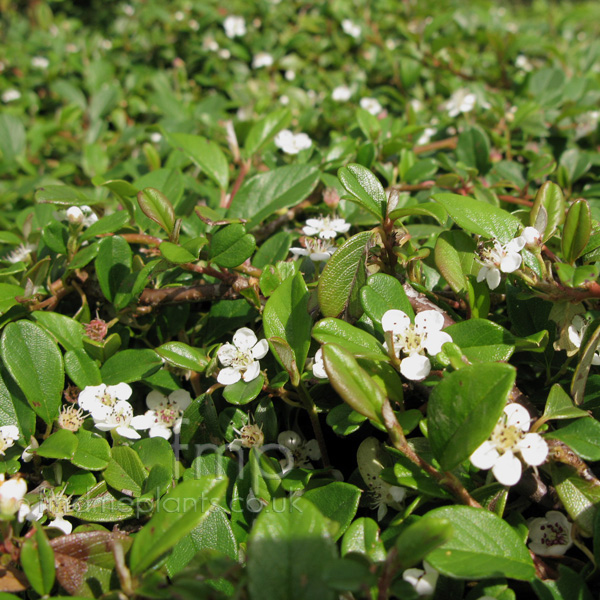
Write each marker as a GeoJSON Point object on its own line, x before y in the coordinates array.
{"type": "Point", "coordinates": [299, 300]}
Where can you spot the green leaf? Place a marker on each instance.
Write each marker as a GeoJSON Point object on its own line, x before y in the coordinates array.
{"type": "Point", "coordinates": [176, 254]}
{"type": "Point", "coordinates": [382, 293]}
{"type": "Point", "coordinates": [483, 545]}
{"type": "Point", "coordinates": [84, 256]}
{"type": "Point", "coordinates": [577, 230]}
{"type": "Point", "coordinates": [294, 537]}
{"type": "Point", "coordinates": [92, 453]}
{"type": "Point", "coordinates": [357, 341]}
{"type": "Point", "coordinates": [338, 501]}
{"type": "Point", "coordinates": [113, 264]}
{"type": "Point", "coordinates": [569, 586]}
{"type": "Point", "coordinates": [365, 189]}
{"type": "Point", "coordinates": [12, 137]}
{"type": "Point", "coordinates": [454, 255]}
{"type": "Point", "coordinates": [231, 246]}
{"type": "Point", "coordinates": [343, 276]}
{"type": "Point", "coordinates": [205, 154]}
{"type": "Point", "coordinates": [286, 316]}
{"type": "Point", "coordinates": [125, 471]}
{"type": "Point", "coordinates": [85, 564]}
{"type": "Point", "coordinates": [37, 559]}
{"type": "Point", "coordinates": [582, 371]}
{"type": "Point", "coordinates": [362, 537]}
{"type": "Point", "coordinates": [156, 206]}
{"type": "Point", "coordinates": [183, 356]}
{"type": "Point", "coordinates": [482, 341]}
{"type": "Point", "coordinates": [551, 201]}
{"type": "Point", "coordinates": [285, 356]}
{"type": "Point", "coordinates": [352, 382]}
{"type": "Point", "coordinates": [582, 436]}
{"type": "Point", "coordinates": [266, 193]}
{"type": "Point", "coordinates": [420, 538]}
{"type": "Point", "coordinates": [479, 217]}
{"type": "Point", "coordinates": [560, 406]}
{"type": "Point", "coordinates": [62, 195]}
{"type": "Point", "coordinates": [425, 209]}
{"type": "Point", "coordinates": [67, 332]}
{"type": "Point", "coordinates": [61, 444]}
{"type": "Point", "coordinates": [107, 224]}
{"type": "Point", "coordinates": [243, 392]}
{"type": "Point", "coordinates": [81, 369]}
{"type": "Point", "coordinates": [36, 364]}
{"type": "Point", "coordinates": [464, 408]}
{"type": "Point", "coordinates": [264, 130]}
{"type": "Point", "coordinates": [473, 149]}
{"type": "Point", "coordinates": [178, 513]}
{"type": "Point", "coordinates": [130, 365]}
{"type": "Point", "coordinates": [14, 409]}
{"type": "Point", "coordinates": [101, 506]}
{"type": "Point", "coordinates": [343, 420]}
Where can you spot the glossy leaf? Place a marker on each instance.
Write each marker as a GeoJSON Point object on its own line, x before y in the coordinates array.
{"type": "Point", "coordinates": [37, 558]}
{"type": "Point", "coordinates": [364, 188]}
{"type": "Point", "coordinates": [231, 246]}
{"type": "Point", "coordinates": [156, 206]}
{"type": "Point", "coordinates": [482, 341]}
{"type": "Point", "coordinates": [550, 199]}
{"type": "Point", "coordinates": [130, 365]}
{"type": "Point", "coordinates": [577, 229]}
{"type": "Point", "coordinates": [265, 129]}
{"type": "Point", "coordinates": [113, 264]}
{"type": "Point", "coordinates": [357, 341]}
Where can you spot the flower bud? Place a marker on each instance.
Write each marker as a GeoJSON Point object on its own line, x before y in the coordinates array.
{"type": "Point", "coordinates": [75, 215]}
{"type": "Point", "coordinates": [12, 493]}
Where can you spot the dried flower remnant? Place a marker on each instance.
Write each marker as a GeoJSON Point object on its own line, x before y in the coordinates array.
{"type": "Point", "coordinates": [71, 418]}
{"type": "Point", "coordinates": [251, 436]}
{"type": "Point", "coordinates": [96, 330]}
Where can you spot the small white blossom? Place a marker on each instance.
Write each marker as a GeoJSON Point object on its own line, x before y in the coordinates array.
{"type": "Point", "coordinates": [342, 93]}
{"type": "Point", "coordinates": [179, 15]}
{"type": "Point", "coordinates": [165, 414]}
{"type": "Point", "coordinates": [194, 25]}
{"type": "Point", "coordinates": [325, 227]}
{"type": "Point", "coordinates": [586, 123]}
{"type": "Point", "coordinates": [10, 96]}
{"type": "Point", "coordinates": [371, 105]}
{"type": "Point", "coordinates": [20, 254]}
{"type": "Point", "coordinates": [210, 44]}
{"type": "Point", "coordinates": [424, 581]}
{"type": "Point", "coordinates": [224, 54]}
{"type": "Point", "coordinates": [318, 366]}
{"type": "Point", "coordinates": [412, 340]}
{"type": "Point", "coordinates": [290, 75]}
{"type": "Point", "coordinates": [461, 101]}
{"type": "Point", "coordinates": [576, 331]}
{"type": "Point", "coordinates": [106, 44]}
{"type": "Point", "coordinates": [550, 536]}
{"type": "Point", "coordinates": [523, 63]}
{"type": "Point", "coordinates": [509, 439]}
{"type": "Point", "coordinates": [155, 137]}
{"type": "Point", "coordinates": [505, 258]}
{"type": "Point", "coordinates": [317, 249]}
{"type": "Point", "coordinates": [77, 215]}
{"type": "Point", "coordinates": [416, 105]}
{"type": "Point", "coordinates": [234, 26]}
{"type": "Point", "coordinates": [53, 503]}
{"type": "Point", "coordinates": [532, 236]}
{"type": "Point", "coordinates": [391, 44]}
{"type": "Point", "coordinates": [120, 418]}
{"type": "Point", "coordinates": [284, 100]}
{"type": "Point", "coordinates": [251, 436]}
{"type": "Point", "coordinates": [426, 136]}
{"type": "Point", "coordinates": [29, 452]}
{"type": "Point", "coordinates": [128, 10]}
{"type": "Point", "coordinates": [262, 59]}
{"type": "Point", "coordinates": [9, 434]}
{"type": "Point", "coordinates": [94, 396]}
{"type": "Point", "coordinates": [292, 143]}
{"type": "Point", "coordinates": [351, 28]}
{"type": "Point", "coordinates": [302, 451]}
{"type": "Point", "coordinates": [12, 493]}
{"type": "Point", "coordinates": [40, 62]}
{"type": "Point", "coordinates": [240, 359]}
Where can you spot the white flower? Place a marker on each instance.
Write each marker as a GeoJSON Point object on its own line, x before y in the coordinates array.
{"type": "Point", "coordinates": [371, 105]}
{"type": "Point", "coordinates": [424, 581]}
{"type": "Point", "coordinates": [302, 452]}
{"type": "Point", "coordinates": [262, 59]}
{"type": "Point", "coordinates": [285, 100]}
{"type": "Point", "coordinates": [351, 28]}
{"type": "Point", "coordinates": [77, 215]}
{"type": "Point", "coordinates": [292, 143]}
{"type": "Point", "coordinates": [71, 48]}
{"type": "Point", "coordinates": [412, 340]}
{"type": "Point", "coordinates": [224, 54]}
{"type": "Point", "coordinates": [416, 105]}
{"type": "Point", "coordinates": [523, 63]}
{"type": "Point", "coordinates": [128, 10]}
{"type": "Point", "coordinates": [500, 258]}
{"type": "Point", "coordinates": [325, 227]}
{"type": "Point", "coordinates": [240, 359]}
{"type": "Point", "coordinates": [155, 137]}
{"type": "Point", "coordinates": [508, 439]}
{"type": "Point", "coordinates": [234, 26]}
{"type": "Point", "coordinates": [165, 414]}
{"type": "Point", "coordinates": [29, 452]}
{"type": "Point", "coordinates": [342, 93]}
{"type": "Point", "coordinates": [461, 101]}
{"type": "Point", "coordinates": [318, 366]}
{"type": "Point", "coordinates": [9, 434]}
{"type": "Point", "coordinates": [120, 418]}
{"type": "Point", "coordinates": [586, 123]}
{"type": "Point", "coordinates": [576, 331]}
{"type": "Point", "coordinates": [532, 236]}
{"type": "Point", "coordinates": [20, 254]}
{"type": "Point", "coordinates": [550, 536]}
{"type": "Point", "coordinates": [106, 44]}
{"type": "Point", "coordinates": [179, 15]}
{"type": "Point", "coordinates": [12, 493]}
{"type": "Point", "coordinates": [94, 397]}
{"type": "Point", "coordinates": [10, 96]}
{"type": "Point", "coordinates": [290, 75]}
{"type": "Point", "coordinates": [251, 435]}
{"type": "Point", "coordinates": [426, 136]}
{"type": "Point", "coordinates": [40, 62]}
{"type": "Point", "coordinates": [210, 44]}
{"type": "Point", "coordinates": [317, 249]}
{"type": "Point", "coordinates": [194, 25]}
{"type": "Point", "coordinates": [53, 503]}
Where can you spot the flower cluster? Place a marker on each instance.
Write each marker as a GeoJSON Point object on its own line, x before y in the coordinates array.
{"type": "Point", "coordinates": [292, 143]}
{"type": "Point", "coordinates": [461, 101]}
{"type": "Point", "coordinates": [321, 248]}
{"type": "Point", "coordinates": [410, 341]}
{"type": "Point", "coordinates": [509, 439]}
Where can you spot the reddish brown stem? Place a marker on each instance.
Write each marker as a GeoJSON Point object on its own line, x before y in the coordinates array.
{"type": "Point", "coordinates": [448, 143]}
{"type": "Point", "coordinates": [244, 169]}
{"type": "Point", "coordinates": [194, 293]}
{"type": "Point", "coordinates": [514, 200]}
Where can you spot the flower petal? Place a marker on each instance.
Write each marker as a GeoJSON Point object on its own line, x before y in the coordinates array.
{"type": "Point", "coordinates": [180, 398]}
{"type": "Point", "coordinates": [312, 450]}
{"type": "Point", "coordinates": [511, 262]}
{"type": "Point", "coordinates": [299, 251]}
{"type": "Point", "coordinates": [10, 432]}
{"type": "Point", "coordinates": [228, 376]}
{"type": "Point", "coordinates": [62, 524]}
{"type": "Point", "coordinates": [433, 343]}
{"type": "Point", "coordinates": [415, 367]}
{"type": "Point", "coordinates": [517, 416]}
{"type": "Point", "coordinates": [395, 321]}
{"type": "Point", "coordinates": [160, 431]}
{"type": "Point", "coordinates": [155, 399]}
{"type": "Point", "coordinates": [244, 338]}
{"type": "Point", "coordinates": [493, 278]}
{"type": "Point", "coordinates": [507, 469]}
{"type": "Point", "coordinates": [260, 349]}
{"type": "Point", "coordinates": [485, 456]}
{"type": "Point", "coordinates": [121, 391]}
{"type": "Point", "coordinates": [251, 372]}
{"type": "Point", "coordinates": [144, 421]}
{"type": "Point", "coordinates": [227, 354]}
{"type": "Point", "coordinates": [89, 396]}
{"type": "Point", "coordinates": [482, 274]}
{"type": "Point", "coordinates": [429, 321]}
{"type": "Point", "coordinates": [128, 432]}
{"type": "Point", "coordinates": [533, 449]}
